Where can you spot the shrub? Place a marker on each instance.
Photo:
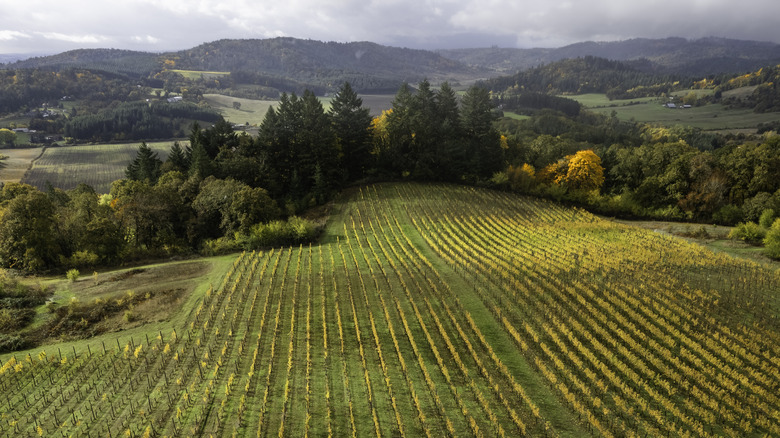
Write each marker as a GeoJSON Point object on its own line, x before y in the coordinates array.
{"type": "Point", "coordinates": [728, 215]}
{"type": "Point", "coordinates": [12, 343]}
{"type": "Point", "coordinates": [767, 218]}
{"type": "Point", "coordinates": [72, 275]}
{"type": "Point", "coordinates": [279, 233]}
{"type": "Point", "coordinates": [772, 241]}
{"type": "Point", "coordinates": [749, 232]}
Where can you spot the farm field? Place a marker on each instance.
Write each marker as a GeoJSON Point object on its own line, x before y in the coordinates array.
{"type": "Point", "coordinates": [713, 117]}
{"type": "Point", "coordinates": [251, 111]}
{"type": "Point", "coordinates": [17, 163]}
{"type": "Point", "coordinates": [65, 167]}
{"type": "Point", "coordinates": [435, 310]}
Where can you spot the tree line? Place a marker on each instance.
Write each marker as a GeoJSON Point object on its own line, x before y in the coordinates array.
{"type": "Point", "coordinates": [678, 173]}
{"type": "Point", "coordinates": [226, 191]}
{"type": "Point", "coordinates": [136, 121]}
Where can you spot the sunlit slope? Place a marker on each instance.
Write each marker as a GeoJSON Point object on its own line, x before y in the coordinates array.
{"type": "Point", "coordinates": [432, 310]}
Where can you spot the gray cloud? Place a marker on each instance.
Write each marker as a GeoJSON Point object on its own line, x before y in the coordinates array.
{"type": "Point", "coordinates": [45, 26]}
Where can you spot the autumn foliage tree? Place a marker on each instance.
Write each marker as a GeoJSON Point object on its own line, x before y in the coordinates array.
{"type": "Point", "coordinates": [584, 171]}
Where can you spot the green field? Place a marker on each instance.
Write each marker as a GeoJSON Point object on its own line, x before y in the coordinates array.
{"type": "Point", "coordinates": [252, 111]}
{"type": "Point", "coordinates": [197, 74]}
{"type": "Point", "coordinates": [434, 310]}
{"type": "Point", "coordinates": [65, 167]}
{"type": "Point", "coordinates": [17, 163]}
{"type": "Point", "coordinates": [714, 117]}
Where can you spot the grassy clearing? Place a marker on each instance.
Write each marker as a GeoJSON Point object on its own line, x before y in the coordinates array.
{"type": "Point", "coordinates": [516, 116]}
{"type": "Point", "coordinates": [197, 74]}
{"type": "Point", "coordinates": [713, 117]}
{"type": "Point", "coordinates": [252, 111]}
{"type": "Point", "coordinates": [434, 310]}
{"type": "Point", "coordinates": [17, 163]}
{"type": "Point", "coordinates": [66, 167]}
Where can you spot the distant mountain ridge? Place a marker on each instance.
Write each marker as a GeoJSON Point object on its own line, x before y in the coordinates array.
{"type": "Point", "coordinates": [322, 66]}
{"type": "Point", "coordinates": [316, 64]}
{"type": "Point", "coordinates": [699, 57]}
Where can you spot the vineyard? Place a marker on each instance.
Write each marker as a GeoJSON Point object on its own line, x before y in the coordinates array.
{"type": "Point", "coordinates": [96, 165]}
{"type": "Point", "coordinates": [432, 310]}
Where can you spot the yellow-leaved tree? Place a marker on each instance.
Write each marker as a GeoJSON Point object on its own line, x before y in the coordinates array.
{"type": "Point", "coordinates": [584, 171]}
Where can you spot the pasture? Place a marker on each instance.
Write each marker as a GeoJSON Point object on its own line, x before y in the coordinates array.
{"type": "Point", "coordinates": [252, 111]}
{"type": "Point", "coordinates": [197, 74]}
{"type": "Point", "coordinates": [713, 117]}
{"type": "Point", "coordinates": [65, 167]}
{"type": "Point", "coordinates": [17, 163]}
{"type": "Point", "coordinates": [434, 310]}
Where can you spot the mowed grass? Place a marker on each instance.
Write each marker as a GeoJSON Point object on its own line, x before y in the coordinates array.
{"type": "Point", "coordinates": [713, 117]}
{"type": "Point", "coordinates": [251, 111]}
{"type": "Point", "coordinates": [197, 74]}
{"type": "Point", "coordinates": [17, 163]}
{"type": "Point", "coordinates": [66, 167]}
{"type": "Point", "coordinates": [435, 310]}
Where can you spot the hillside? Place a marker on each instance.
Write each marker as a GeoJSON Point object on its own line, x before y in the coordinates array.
{"type": "Point", "coordinates": [588, 75]}
{"type": "Point", "coordinates": [700, 57]}
{"type": "Point", "coordinates": [134, 63]}
{"type": "Point", "coordinates": [308, 59]}
{"type": "Point", "coordinates": [288, 63]}
{"type": "Point", "coordinates": [432, 310]}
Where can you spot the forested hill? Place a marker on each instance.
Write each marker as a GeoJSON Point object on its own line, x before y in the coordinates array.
{"type": "Point", "coordinates": [294, 57]}
{"type": "Point", "coordinates": [587, 75]}
{"type": "Point", "coordinates": [699, 57]}
{"type": "Point", "coordinates": [314, 64]}
{"type": "Point", "coordinates": [127, 62]}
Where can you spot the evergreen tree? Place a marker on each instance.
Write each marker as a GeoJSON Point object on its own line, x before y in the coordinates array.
{"type": "Point", "coordinates": [426, 126]}
{"type": "Point", "coordinates": [177, 158]}
{"type": "Point", "coordinates": [201, 164]}
{"type": "Point", "coordinates": [145, 166]}
{"type": "Point", "coordinates": [400, 133]}
{"type": "Point", "coordinates": [483, 142]}
{"type": "Point", "coordinates": [449, 147]}
{"type": "Point", "coordinates": [351, 124]}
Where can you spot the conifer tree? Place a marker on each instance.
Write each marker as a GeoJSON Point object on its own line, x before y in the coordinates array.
{"type": "Point", "coordinates": [351, 124]}
{"type": "Point", "coordinates": [145, 166]}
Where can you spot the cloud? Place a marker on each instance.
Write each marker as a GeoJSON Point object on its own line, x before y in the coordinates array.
{"type": "Point", "coordinates": [145, 39]}
{"type": "Point", "coordinates": [178, 24]}
{"type": "Point", "coordinates": [10, 35]}
{"type": "Point", "coordinates": [74, 38]}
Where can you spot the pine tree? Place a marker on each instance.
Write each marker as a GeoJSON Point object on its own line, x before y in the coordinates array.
{"type": "Point", "coordinates": [177, 158]}
{"type": "Point", "coordinates": [483, 140]}
{"type": "Point", "coordinates": [351, 124]}
{"type": "Point", "coordinates": [145, 166]}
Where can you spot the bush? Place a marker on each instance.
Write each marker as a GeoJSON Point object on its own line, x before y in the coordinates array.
{"type": "Point", "coordinates": [727, 215]}
{"type": "Point", "coordinates": [72, 275]}
{"type": "Point", "coordinates": [767, 218]}
{"type": "Point", "coordinates": [81, 259]}
{"type": "Point", "coordinates": [772, 241]}
{"type": "Point", "coordinates": [12, 343]}
{"type": "Point", "coordinates": [223, 245]}
{"type": "Point", "coordinates": [280, 233]}
{"type": "Point", "coordinates": [749, 232]}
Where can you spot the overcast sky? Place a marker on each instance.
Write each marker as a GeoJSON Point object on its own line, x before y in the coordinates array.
{"type": "Point", "coordinates": [46, 26]}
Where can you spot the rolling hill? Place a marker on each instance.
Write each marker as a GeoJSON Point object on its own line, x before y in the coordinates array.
{"type": "Point", "coordinates": [700, 57]}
